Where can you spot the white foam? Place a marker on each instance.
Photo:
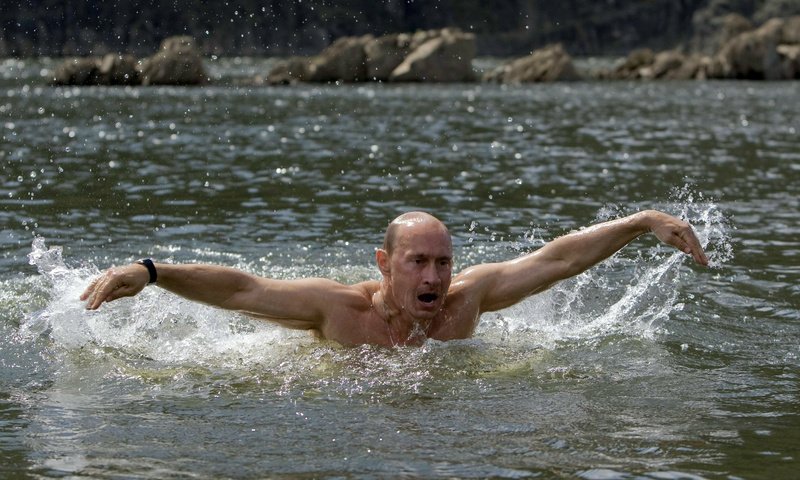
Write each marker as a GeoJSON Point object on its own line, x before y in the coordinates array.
{"type": "Point", "coordinates": [631, 296]}
{"type": "Point", "coordinates": [155, 324]}
{"type": "Point", "coordinates": [621, 296]}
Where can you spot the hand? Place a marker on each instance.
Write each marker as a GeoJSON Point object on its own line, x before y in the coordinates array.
{"type": "Point", "coordinates": [677, 233]}
{"type": "Point", "coordinates": [116, 283]}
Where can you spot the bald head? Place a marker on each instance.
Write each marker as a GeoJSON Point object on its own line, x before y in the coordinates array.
{"type": "Point", "coordinates": [406, 223]}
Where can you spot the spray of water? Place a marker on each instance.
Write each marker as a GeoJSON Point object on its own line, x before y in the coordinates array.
{"type": "Point", "coordinates": [624, 295]}
{"type": "Point", "coordinates": [627, 295]}
{"type": "Point", "coordinates": [154, 325]}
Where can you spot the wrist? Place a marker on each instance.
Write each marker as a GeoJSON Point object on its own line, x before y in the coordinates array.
{"type": "Point", "coordinates": [151, 269]}
{"type": "Point", "coordinates": [645, 221]}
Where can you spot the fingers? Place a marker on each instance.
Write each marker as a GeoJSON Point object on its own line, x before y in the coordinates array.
{"type": "Point", "coordinates": [113, 284]}
{"type": "Point", "coordinates": [688, 243]}
{"type": "Point", "coordinates": [87, 293]}
{"type": "Point", "coordinates": [98, 291]}
{"type": "Point", "coordinates": [680, 235]}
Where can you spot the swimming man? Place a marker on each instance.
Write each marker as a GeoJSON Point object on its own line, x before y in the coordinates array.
{"type": "Point", "coordinates": [417, 297]}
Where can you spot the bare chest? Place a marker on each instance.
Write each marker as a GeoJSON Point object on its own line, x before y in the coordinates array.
{"type": "Point", "coordinates": [369, 327]}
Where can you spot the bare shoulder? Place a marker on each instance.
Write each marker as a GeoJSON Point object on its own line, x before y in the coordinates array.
{"type": "Point", "coordinates": [349, 314]}
{"type": "Point", "coordinates": [306, 303]}
{"type": "Point", "coordinates": [358, 295]}
{"type": "Point", "coordinates": [339, 299]}
{"type": "Point", "coordinates": [475, 279]}
{"type": "Point", "coordinates": [493, 286]}
{"type": "Point", "coordinates": [468, 290]}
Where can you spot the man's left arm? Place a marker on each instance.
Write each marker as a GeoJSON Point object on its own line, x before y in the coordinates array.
{"type": "Point", "coordinates": [500, 285]}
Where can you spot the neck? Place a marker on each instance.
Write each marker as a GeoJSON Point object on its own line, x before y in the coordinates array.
{"type": "Point", "coordinates": [402, 328]}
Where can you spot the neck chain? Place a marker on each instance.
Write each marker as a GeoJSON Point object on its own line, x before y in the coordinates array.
{"type": "Point", "coordinates": [416, 330]}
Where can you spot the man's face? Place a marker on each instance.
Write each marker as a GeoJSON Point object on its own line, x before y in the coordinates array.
{"type": "Point", "coordinates": [420, 269]}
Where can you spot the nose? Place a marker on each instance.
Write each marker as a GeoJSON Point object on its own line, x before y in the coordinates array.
{"type": "Point", "coordinates": [430, 275]}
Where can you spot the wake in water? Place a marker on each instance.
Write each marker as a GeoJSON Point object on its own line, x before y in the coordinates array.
{"type": "Point", "coordinates": [630, 296]}
{"type": "Point", "coordinates": [154, 325]}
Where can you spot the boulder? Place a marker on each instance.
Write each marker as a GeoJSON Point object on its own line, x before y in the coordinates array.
{"type": "Point", "coordinates": [631, 67]}
{"type": "Point", "coordinates": [791, 30]}
{"type": "Point", "coordinates": [430, 55]}
{"type": "Point", "coordinates": [446, 57]}
{"type": "Point", "coordinates": [77, 71]}
{"type": "Point", "coordinates": [112, 69]}
{"type": "Point", "coordinates": [710, 34]}
{"type": "Point", "coordinates": [751, 55]}
{"type": "Point", "coordinates": [666, 65]}
{"type": "Point", "coordinates": [118, 70]}
{"type": "Point", "coordinates": [418, 38]}
{"type": "Point", "coordinates": [178, 62]}
{"type": "Point", "coordinates": [789, 56]}
{"type": "Point", "coordinates": [289, 71]}
{"type": "Point", "coordinates": [548, 64]}
{"type": "Point", "coordinates": [384, 54]}
{"type": "Point", "coordinates": [694, 67]}
{"type": "Point", "coordinates": [344, 60]}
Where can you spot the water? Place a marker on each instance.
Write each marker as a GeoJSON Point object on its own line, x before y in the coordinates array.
{"type": "Point", "coordinates": [645, 367]}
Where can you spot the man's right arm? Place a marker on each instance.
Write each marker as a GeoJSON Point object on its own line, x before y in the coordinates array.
{"type": "Point", "coordinates": [291, 303]}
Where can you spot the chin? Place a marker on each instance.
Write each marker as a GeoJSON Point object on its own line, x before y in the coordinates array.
{"type": "Point", "coordinates": [424, 310]}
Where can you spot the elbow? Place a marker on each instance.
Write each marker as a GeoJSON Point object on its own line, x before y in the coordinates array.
{"type": "Point", "coordinates": [568, 268]}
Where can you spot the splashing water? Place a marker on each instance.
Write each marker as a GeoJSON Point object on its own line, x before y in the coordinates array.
{"type": "Point", "coordinates": [154, 325]}
{"type": "Point", "coordinates": [60, 318]}
{"type": "Point", "coordinates": [630, 296]}
{"type": "Point", "coordinates": [622, 295]}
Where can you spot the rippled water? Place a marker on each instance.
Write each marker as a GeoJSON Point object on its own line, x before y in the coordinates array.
{"type": "Point", "coordinates": [646, 366]}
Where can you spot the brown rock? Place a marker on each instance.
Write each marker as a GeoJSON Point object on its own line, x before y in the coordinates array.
{"type": "Point", "coordinates": [344, 60]}
{"type": "Point", "coordinates": [177, 63]}
{"type": "Point", "coordinates": [419, 37]}
{"type": "Point", "coordinates": [77, 71]}
{"type": "Point", "coordinates": [384, 54]}
{"type": "Point", "coordinates": [791, 30]}
{"type": "Point", "coordinates": [289, 71]}
{"type": "Point", "coordinates": [548, 64]}
{"type": "Point", "coordinates": [665, 64]}
{"type": "Point", "coordinates": [790, 61]}
{"type": "Point", "coordinates": [443, 58]}
{"type": "Point", "coordinates": [714, 32]}
{"type": "Point", "coordinates": [694, 67]}
{"type": "Point", "coordinates": [631, 68]}
{"type": "Point", "coordinates": [118, 70]}
{"type": "Point", "coordinates": [751, 55]}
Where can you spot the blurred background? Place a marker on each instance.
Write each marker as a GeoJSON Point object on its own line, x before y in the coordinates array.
{"type": "Point", "coordinates": [280, 28]}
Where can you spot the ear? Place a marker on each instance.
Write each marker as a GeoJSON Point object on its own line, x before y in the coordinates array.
{"type": "Point", "coordinates": [382, 259]}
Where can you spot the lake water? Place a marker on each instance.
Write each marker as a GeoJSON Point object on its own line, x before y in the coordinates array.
{"type": "Point", "coordinates": [647, 366]}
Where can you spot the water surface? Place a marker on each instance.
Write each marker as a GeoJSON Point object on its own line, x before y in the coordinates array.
{"type": "Point", "coordinates": [647, 366]}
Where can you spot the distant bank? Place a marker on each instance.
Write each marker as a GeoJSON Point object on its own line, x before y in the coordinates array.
{"type": "Point", "coordinates": [768, 52]}
{"type": "Point", "coordinates": [279, 28]}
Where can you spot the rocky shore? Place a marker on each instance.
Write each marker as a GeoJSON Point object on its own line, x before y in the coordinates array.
{"type": "Point", "coordinates": [176, 63]}
{"type": "Point", "coordinates": [770, 51]}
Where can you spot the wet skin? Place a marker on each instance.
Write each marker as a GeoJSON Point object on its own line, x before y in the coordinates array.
{"type": "Point", "coordinates": [417, 297]}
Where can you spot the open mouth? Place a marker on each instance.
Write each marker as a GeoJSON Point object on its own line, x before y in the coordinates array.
{"type": "Point", "coordinates": [427, 297]}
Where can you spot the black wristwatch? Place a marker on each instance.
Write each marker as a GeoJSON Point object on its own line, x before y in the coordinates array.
{"type": "Point", "coordinates": [148, 264]}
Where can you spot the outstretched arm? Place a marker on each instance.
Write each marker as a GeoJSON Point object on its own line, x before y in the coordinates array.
{"type": "Point", "coordinates": [500, 285]}
{"type": "Point", "coordinates": [291, 303]}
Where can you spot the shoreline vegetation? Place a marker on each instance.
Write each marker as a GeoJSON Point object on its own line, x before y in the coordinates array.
{"type": "Point", "coordinates": [742, 51]}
